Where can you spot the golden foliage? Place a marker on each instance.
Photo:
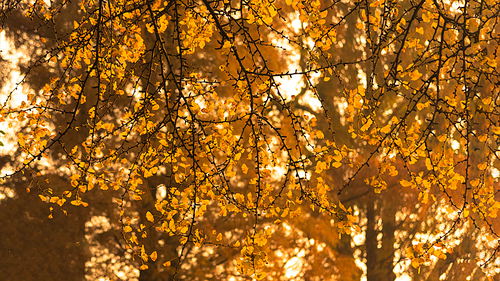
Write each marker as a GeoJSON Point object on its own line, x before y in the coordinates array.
{"type": "Point", "coordinates": [192, 95]}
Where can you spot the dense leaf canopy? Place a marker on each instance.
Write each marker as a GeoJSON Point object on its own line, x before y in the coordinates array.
{"type": "Point", "coordinates": [277, 140]}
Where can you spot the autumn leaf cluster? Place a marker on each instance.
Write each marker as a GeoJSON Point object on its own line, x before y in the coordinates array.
{"type": "Point", "coordinates": [193, 98]}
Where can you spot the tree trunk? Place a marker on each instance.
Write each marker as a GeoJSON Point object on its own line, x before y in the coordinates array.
{"type": "Point", "coordinates": [379, 261]}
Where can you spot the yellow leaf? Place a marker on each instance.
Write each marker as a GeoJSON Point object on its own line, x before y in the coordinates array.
{"type": "Point", "coordinates": [76, 202]}
{"type": "Point", "coordinates": [489, 237]}
{"type": "Point", "coordinates": [60, 202]}
{"type": "Point", "coordinates": [150, 28]}
{"type": "Point", "coordinates": [154, 170]}
{"type": "Point", "coordinates": [409, 252]}
{"type": "Point", "coordinates": [428, 164]}
{"type": "Point", "coordinates": [183, 240]}
{"type": "Point", "coordinates": [475, 182]}
{"type": "Point", "coordinates": [272, 10]}
{"type": "Point", "coordinates": [260, 240]}
{"type": "Point", "coordinates": [450, 101]}
{"type": "Point", "coordinates": [496, 130]}
{"type": "Point", "coordinates": [420, 30]}
{"type": "Point", "coordinates": [482, 166]}
{"type": "Point", "coordinates": [425, 17]}
{"type": "Point", "coordinates": [21, 141]}
{"type": "Point", "coordinates": [415, 75]}
{"type": "Point", "coordinates": [482, 138]}
{"type": "Point", "coordinates": [237, 156]}
{"type": "Point", "coordinates": [442, 138]}
{"type": "Point", "coordinates": [367, 125]}
{"type": "Point", "coordinates": [167, 263]}
{"type": "Point", "coordinates": [320, 166]}
{"type": "Point", "coordinates": [361, 90]}
{"type": "Point", "coordinates": [405, 183]}
{"type": "Point", "coordinates": [143, 267]}
{"type": "Point", "coordinates": [337, 157]}
{"type": "Point", "coordinates": [285, 213]}
{"type": "Point", "coordinates": [150, 217]}
{"type": "Point", "coordinates": [466, 213]}
{"type": "Point", "coordinates": [491, 62]}
{"type": "Point", "coordinates": [244, 168]}
{"type": "Point", "coordinates": [127, 228]}
{"type": "Point", "coordinates": [154, 256]}
{"type": "Point", "coordinates": [267, 20]}
{"type": "Point", "coordinates": [184, 229]}
{"type": "Point", "coordinates": [386, 129]}
{"type": "Point", "coordinates": [441, 256]}
{"type": "Point", "coordinates": [320, 135]}
{"type": "Point", "coordinates": [147, 174]}
{"type": "Point", "coordinates": [336, 164]}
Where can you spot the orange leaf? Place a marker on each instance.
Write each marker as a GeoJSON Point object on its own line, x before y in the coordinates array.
{"type": "Point", "coordinates": [154, 256]}
{"type": "Point", "coordinates": [405, 183]}
{"type": "Point", "coordinates": [415, 75]}
{"type": "Point", "coordinates": [150, 217]}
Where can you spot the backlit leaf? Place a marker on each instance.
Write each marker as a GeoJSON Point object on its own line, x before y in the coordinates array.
{"type": "Point", "coordinates": [405, 183]}
{"type": "Point", "coordinates": [154, 256]}
{"type": "Point", "coordinates": [150, 217]}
